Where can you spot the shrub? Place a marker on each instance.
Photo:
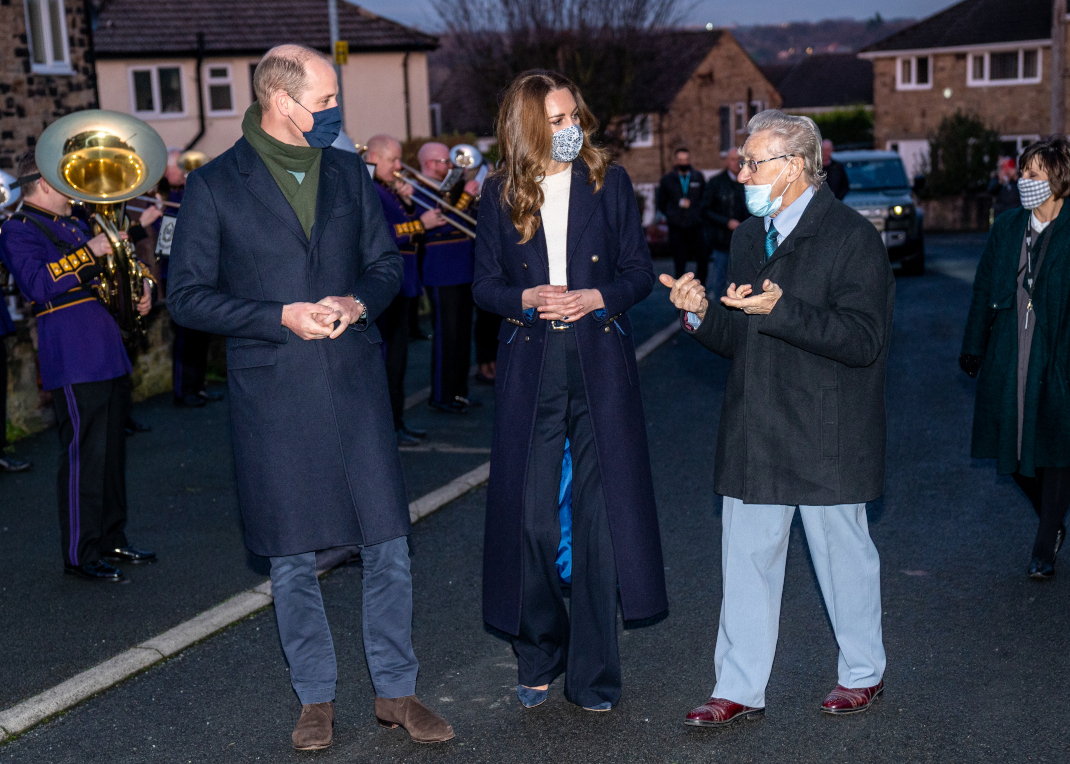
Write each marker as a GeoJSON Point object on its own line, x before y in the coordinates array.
{"type": "Point", "coordinates": [962, 156]}
{"type": "Point", "coordinates": [850, 127]}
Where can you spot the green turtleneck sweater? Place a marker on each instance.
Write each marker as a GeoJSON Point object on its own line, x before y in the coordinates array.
{"type": "Point", "coordinates": [295, 168]}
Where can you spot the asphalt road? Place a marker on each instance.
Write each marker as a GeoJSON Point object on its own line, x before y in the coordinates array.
{"type": "Point", "coordinates": [977, 653]}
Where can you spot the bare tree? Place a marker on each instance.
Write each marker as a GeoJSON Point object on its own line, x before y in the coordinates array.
{"type": "Point", "coordinates": [598, 44]}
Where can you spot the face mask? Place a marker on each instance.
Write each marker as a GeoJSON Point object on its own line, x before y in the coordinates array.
{"type": "Point", "coordinates": [326, 125]}
{"type": "Point", "coordinates": [567, 144]}
{"type": "Point", "coordinates": [1033, 192]}
{"type": "Point", "coordinates": [758, 202]}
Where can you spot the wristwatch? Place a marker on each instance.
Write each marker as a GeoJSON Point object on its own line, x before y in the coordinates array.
{"type": "Point", "coordinates": [363, 320]}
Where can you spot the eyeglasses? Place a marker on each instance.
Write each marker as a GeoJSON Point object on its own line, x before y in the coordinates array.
{"type": "Point", "coordinates": [752, 165]}
{"type": "Point", "coordinates": [440, 161]}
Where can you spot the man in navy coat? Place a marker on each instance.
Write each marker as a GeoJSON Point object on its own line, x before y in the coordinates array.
{"type": "Point", "coordinates": [281, 246]}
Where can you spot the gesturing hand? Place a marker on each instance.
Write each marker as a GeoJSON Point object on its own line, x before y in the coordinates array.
{"type": "Point", "coordinates": [349, 309]}
{"type": "Point", "coordinates": [761, 304]}
{"type": "Point", "coordinates": [686, 293]}
{"type": "Point", "coordinates": [309, 320]}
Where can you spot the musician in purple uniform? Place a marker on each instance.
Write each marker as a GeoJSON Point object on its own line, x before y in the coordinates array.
{"type": "Point", "coordinates": [408, 227]}
{"type": "Point", "coordinates": [449, 259]}
{"type": "Point", "coordinates": [54, 260]}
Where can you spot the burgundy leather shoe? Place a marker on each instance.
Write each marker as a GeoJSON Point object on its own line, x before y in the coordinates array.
{"type": "Point", "coordinates": [718, 712]}
{"type": "Point", "coordinates": [844, 700]}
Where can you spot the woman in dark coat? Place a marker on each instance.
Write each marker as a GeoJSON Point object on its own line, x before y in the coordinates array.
{"type": "Point", "coordinates": [560, 253]}
{"type": "Point", "coordinates": [1018, 338]}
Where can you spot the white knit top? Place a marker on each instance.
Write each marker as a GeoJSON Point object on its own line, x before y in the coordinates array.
{"type": "Point", "coordinates": [555, 190]}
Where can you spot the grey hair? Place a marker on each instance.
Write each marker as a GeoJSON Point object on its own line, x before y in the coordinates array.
{"type": "Point", "coordinates": [795, 135]}
{"type": "Point", "coordinates": [283, 68]}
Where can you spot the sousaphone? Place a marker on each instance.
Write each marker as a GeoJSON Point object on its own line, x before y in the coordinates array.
{"type": "Point", "coordinates": [102, 159]}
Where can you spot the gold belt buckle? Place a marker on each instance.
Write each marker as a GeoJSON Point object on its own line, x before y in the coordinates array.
{"type": "Point", "coordinates": [559, 326]}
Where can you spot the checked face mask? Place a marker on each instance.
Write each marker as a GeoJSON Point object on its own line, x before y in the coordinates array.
{"type": "Point", "coordinates": [1033, 192]}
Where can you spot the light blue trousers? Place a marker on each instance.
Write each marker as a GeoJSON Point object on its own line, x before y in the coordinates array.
{"type": "Point", "coordinates": [386, 613]}
{"type": "Point", "coordinates": [754, 550]}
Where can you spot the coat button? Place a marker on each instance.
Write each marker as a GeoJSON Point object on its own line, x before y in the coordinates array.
{"type": "Point", "coordinates": [607, 330]}
{"type": "Point", "coordinates": [594, 259]}
{"type": "Point", "coordinates": [527, 337]}
{"type": "Point", "coordinates": [525, 266]}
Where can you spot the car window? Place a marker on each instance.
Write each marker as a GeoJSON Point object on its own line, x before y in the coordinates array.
{"type": "Point", "coordinates": [874, 174]}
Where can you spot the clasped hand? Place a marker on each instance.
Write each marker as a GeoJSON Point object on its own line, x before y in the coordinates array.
{"type": "Point", "coordinates": [557, 303]}
{"type": "Point", "coordinates": [326, 319]}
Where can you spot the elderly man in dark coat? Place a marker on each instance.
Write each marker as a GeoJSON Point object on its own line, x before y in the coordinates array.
{"type": "Point", "coordinates": [803, 419]}
{"type": "Point", "coordinates": [282, 247]}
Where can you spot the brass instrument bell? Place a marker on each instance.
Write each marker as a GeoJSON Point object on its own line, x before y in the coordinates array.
{"type": "Point", "coordinates": [8, 195]}
{"type": "Point", "coordinates": [189, 161]}
{"type": "Point", "coordinates": [465, 156]}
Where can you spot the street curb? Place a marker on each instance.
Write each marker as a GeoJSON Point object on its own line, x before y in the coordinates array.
{"type": "Point", "coordinates": [32, 711]}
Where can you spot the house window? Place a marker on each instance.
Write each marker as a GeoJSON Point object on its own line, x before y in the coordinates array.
{"type": "Point", "coordinates": [156, 91]}
{"type": "Point", "coordinates": [436, 119]}
{"type": "Point", "coordinates": [46, 25]}
{"type": "Point", "coordinates": [252, 71]}
{"type": "Point", "coordinates": [1014, 145]}
{"type": "Point", "coordinates": [741, 117]}
{"type": "Point", "coordinates": [638, 132]}
{"type": "Point", "coordinates": [914, 73]}
{"type": "Point", "coordinates": [755, 107]}
{"type": "Point", "coordinates": [219, 88]}
{"type": "Point", "coordinates": [725, 115]}
{"type": "Point", "coordinates": [1004, 67]}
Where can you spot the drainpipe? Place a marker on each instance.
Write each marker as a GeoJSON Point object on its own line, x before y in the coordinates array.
{"type": "Point", "coordinates": [91, 54]}
{"type": "Point", "coordinates": [408, 109]}
{"type": "Point", "coordinates": [1058, 67]}
{"type": "Point", "coordinates": [200, 91]}
{"type": "Point", "coordinates": [332, 22]}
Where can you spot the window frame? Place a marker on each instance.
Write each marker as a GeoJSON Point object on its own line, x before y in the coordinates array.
{"type": "Point", "coordinates": [913, 84]}
{"type": "Point", "coordinates": [155, 81]}
{"type": "Point", "coordinates": [61, 65]}
{"type": "Point", "coordinates": [209, 82]}
{"type": "Point", "coordinates": [632, 129]}
{"type": "Point", "coordinates": [987, 82]}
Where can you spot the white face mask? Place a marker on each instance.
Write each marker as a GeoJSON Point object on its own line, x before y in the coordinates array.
{"type": "Point", "coordinates": [1033, 192]}
{"type": "Point", "coordinates": [757, 197]}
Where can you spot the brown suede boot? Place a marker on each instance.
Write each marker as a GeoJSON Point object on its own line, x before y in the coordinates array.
{"type": "Point", "coordinates": [315, 728]}
{"type": "Point", "coordinates": [422, 724]}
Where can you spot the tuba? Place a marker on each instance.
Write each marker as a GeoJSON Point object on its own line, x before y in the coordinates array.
{"type": "Point", "coordinates": [102, 159]}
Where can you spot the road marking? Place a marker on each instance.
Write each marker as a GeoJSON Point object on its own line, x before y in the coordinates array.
{"type": "Point", "coordinates": [32, 711]}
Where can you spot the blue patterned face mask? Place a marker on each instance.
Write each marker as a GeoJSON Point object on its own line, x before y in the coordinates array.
{"type": "Point", "coordinates": [567, 144]}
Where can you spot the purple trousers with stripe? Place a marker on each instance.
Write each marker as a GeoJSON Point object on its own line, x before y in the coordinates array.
{"type": "Point", "coordinates": [91, 486]}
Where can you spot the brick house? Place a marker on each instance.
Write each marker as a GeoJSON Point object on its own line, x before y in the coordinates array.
{"type": "Point", "coordinates": [46, 70]}
{"type": "Point", "coordinates": [991, 58]}
{"type": "Point", "coordinates": [823, 83]}
{"type": "Point", "coordinates": [185, 66]}
{"type": "Point", "coordinates": [698, 91]}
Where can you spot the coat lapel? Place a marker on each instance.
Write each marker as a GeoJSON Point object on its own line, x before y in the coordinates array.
{"type": "Point", "coordinates": [324, 196]}
{"type": "Point", "coordinates": [263, 187]}
{"type": "Point", "coordinates": [540, 255]}
{"type": "Point", "coordinates": [809, 224]}
{"type": "Point", "coordinates": [581, 205]}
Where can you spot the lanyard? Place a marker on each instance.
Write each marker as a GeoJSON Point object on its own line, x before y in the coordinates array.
{"type": "Point", "coordinates": [685, 182]}
{"type": "Point", "coordinates": [1031, 272]}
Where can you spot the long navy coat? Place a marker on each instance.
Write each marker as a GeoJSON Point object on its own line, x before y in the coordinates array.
{"type": "Point", "coordinates": [607, 251]}
{"type": "Point", "coordinates": [314, 449]}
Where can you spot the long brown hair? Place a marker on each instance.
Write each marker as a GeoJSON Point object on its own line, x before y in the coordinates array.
{"type": "Point", "coordinates": [525, 139]}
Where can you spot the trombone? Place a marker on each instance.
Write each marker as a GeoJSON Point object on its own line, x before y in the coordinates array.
{"type": "Point", "coordinates": [427, 206]}
{"type": "Point", "coordinates": [426, 186]}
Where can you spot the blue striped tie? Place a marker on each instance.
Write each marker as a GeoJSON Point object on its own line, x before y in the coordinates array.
{"type": "Point", "coordinates": [770, 240]}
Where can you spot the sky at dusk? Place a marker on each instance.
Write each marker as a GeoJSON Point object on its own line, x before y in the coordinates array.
{"type": "Point", "coordinates": [420, 13]}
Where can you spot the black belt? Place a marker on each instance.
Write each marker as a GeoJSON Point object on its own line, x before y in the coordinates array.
{"type": "Point", "coordinates": [65, 299]}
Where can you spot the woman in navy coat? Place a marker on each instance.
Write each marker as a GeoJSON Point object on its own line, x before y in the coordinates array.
{"type": "Point", "coordinates": [560, 253]}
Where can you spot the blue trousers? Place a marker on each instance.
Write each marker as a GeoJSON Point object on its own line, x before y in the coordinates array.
{"type": "Point", "coordinates": [387, 617]}
{"type": "Point", "coordinates": [754, 550]}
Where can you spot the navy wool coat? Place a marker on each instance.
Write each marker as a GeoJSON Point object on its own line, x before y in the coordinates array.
{"type": "Point", "coordinates": [606, 251]}
{"type": "Point", "coordinates": [314, 449]}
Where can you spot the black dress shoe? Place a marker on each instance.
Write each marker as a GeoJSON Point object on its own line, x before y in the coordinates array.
{"type": "Point", "coordinates": [405, 440]}
{"type": "Point", "coordinates": [7, 464]}
{"type": "Point", "coordinates": [96, 571]}
{"type": "Point", "coordinates": [453, 407]}
{"type": "Point", "coordinates": [190, 401]}
{"type": "Point", "coordinates": [413, 432]}
{"type": "Point", "coordinates": [1040, 570]}
{"type": "Point", "coordinates": [132, 426]}
{"type": "Point", "coordinates": [468, 403]}
{"type": "Point", "coordinates": [1060, 536]}
{"type": "Point", "coordinates": [130, 555]}
{"type": "Point", "coordinates": [209, 396]}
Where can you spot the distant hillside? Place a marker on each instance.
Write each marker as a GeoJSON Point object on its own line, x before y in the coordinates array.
{"type": "Point", "coordinates": [787, 43]}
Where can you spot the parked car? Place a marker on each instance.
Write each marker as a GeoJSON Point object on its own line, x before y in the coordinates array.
{"type": "Point", "coordinates": [881, 193]}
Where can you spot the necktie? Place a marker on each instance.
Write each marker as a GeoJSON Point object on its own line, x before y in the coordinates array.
{"type": "Point", "coordinates": [770, 240]}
